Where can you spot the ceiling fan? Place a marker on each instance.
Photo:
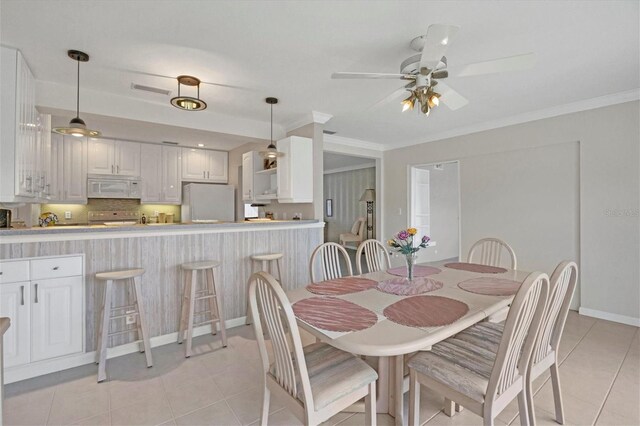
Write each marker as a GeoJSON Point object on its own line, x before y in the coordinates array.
{"type": "Point", "coordinates": [424, 72]}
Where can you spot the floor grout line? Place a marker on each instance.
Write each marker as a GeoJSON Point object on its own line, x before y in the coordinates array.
{"type": "Point", "coordinates": [613, 382]}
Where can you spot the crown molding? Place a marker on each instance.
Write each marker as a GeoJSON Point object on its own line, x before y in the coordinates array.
{"type": "Point", "coordinates": [308, 118]}
{"type": "Point", "coordinates": [350, 168]}
{"type": "Point", "coordinates": [354, 143]}
{"type": "Point", "coordinates": [555, 111]}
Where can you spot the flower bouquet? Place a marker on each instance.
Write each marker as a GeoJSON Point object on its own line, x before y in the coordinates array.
{"type": "Point", "coordinates": [403, 243]}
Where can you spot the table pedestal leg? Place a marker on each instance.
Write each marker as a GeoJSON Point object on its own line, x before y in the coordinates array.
{"type": "Point", "coordinates": [396, 389]}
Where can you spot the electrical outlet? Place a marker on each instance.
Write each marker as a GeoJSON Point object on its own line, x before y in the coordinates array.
{"type": "Point", "coordinates": [67, 215]}
{"type": "Point", "coordinates": [130, 319]}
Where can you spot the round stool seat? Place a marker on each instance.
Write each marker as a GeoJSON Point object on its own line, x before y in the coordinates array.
{"type": "Point", "coordinates": [197, 266]}
{"type": "Point", "coordinates": [120, 275]}
{"type": "Point", "coordinates": [267, 256]}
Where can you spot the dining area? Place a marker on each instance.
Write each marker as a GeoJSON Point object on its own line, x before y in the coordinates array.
{"type": "Point", "coordinates": [475, 334]}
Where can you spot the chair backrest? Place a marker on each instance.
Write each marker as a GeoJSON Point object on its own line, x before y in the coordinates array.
{"type": "Point", "coordinates": [488, 251]}
{"type": "Point", "coordinates": [358, 226]}
{"type": "Point", "coordinates": [269, 302]}
{"type": "Point", "coordinates": [518, 338]}
{"type": "Point", "coordinates": [562, 284]}
{"type": "Point", "coordinates": [330, 254]}
{"type": "Point", "coordinates": [375, 255]}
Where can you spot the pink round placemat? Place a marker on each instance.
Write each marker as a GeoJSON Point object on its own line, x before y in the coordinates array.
{"type": "Point", "coordinates": [418, 271]}
{"type": "Point", "coordinates": [475, 267]}
{"type": "Point", "coordinates": [404, 287]}
{"type": "Point", "coordinates": [344, 285]}
{"type": "Point", "coordinates": [490, 286]}
{"type": "Point", "coordinates": [333, 314]}
{"type": "Point", "coordinates": [426, 311]}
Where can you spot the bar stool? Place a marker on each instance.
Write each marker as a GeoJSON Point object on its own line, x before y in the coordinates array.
{"type": "Point", "coordinates": [136, 310]}
{"type": "Point", "coordinates": [191, 294]}
{"type": "Point", "coordinates": [266, 260]}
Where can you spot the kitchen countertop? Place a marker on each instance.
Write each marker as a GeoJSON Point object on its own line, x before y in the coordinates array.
{"type": "Point", "coordinates": [74, 232]}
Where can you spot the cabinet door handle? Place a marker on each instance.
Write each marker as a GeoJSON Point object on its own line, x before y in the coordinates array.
{"type": "Point", "coordinates": [117, 170]}
{"type": "Point", "coordinates": [112, 169]}
{"type": "Point", "coordinates": [22, 295]}
{"type": "Point", "coordinates": [207, 175]}
{"type": "Point", "coordinates": [204, 175]}
{"type": "Point", "coordinates": [36, 299]}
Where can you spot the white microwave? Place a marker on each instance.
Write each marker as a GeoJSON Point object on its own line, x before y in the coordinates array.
{"type": "Point", "coordinates": [99, 186]}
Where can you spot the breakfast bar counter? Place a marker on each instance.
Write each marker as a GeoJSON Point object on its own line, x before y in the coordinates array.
{"type": "Point", "coordinates": [160, 250]}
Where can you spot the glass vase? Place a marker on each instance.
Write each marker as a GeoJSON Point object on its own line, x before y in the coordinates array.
{"type": "Point", "coordinates": [411, 261]}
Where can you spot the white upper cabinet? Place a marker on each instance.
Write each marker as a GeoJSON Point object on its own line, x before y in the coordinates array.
{"type": "Point", "coordinates": [247, 175]}
{"type": "Point", "coordinates": [111, 157]}
{"type": "Point", "coordinates": [19, 150]}
{"type": "Point", "coordinates": [160, 174]}
{"type": "Point", "coordinates": [200, 165]}
{"type": "Point", "coordinates": [295, 170]}
{"type": "Point", "coordinates": [74, 170]}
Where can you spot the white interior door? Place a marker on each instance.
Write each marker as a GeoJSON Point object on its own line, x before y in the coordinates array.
{"type": "Point", "coordinates": [420, 201]}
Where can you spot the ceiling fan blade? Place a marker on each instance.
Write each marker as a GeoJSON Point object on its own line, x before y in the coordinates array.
{"type": "Point", "coordinates": [376, 75]}
{"type": "Point", "coordinates": [393, 95]}
{"type": "Point", "coordinates": [450, 97]}
{"type": "Point", "coordinates": [440, 74]}
{"type": "Point", "coordinates": [436, 43]}
{"type": "Point", "coordinates": [511, 63]}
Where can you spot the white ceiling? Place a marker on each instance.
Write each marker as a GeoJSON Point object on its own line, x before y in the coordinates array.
{"type": "Point", "coordinates": [585, 49]}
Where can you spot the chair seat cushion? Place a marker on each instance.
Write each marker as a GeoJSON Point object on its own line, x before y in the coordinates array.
{"type": "Point", "coordinates": [332, 374]}
{"type": "Point", "coordinates": [463, 362]}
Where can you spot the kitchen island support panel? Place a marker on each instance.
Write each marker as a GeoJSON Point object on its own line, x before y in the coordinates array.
{"type": "Point", "coordinates": [161, 257]}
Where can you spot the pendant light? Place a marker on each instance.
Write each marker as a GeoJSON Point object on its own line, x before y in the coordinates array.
{"type": "Point", "coordinates": [271, 151]}
{"type": "Point", "coordinates": [189, 103]}
{"type": "Point", "coordinates": [77, 127]}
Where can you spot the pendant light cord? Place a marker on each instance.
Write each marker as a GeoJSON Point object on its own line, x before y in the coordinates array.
{"type": "Point", "coordinates": [78, 92]}
{"type": "Point", "coordinates": [271, 124]}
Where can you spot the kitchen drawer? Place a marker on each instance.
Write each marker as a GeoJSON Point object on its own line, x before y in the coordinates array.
{"type": "Point", "coordinates": [56, 267]}
{"type": "Point", "coordinates": [14, 271]}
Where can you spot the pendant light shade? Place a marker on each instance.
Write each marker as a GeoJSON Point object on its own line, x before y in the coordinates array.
{"type": "Point", "coordinates": [271, 152]}
{"type": "Point", "coordinates": [189, 103]}
{"type": "Point", "coordinates": [77, 126]}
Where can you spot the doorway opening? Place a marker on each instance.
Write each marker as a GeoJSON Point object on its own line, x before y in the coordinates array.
{"type": "Point", "coordinates": [434, 208]}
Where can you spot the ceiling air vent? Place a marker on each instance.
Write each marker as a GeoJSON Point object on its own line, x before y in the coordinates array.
{"type": "Point", "coordinates": [328, 132]}
{"type": "Point", "coordinates": [170, 143]}
{"type": "Point", "coordinates": [156, 90]}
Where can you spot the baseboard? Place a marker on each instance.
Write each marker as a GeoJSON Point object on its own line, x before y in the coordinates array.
{"type": "Point", "coordinates": [40, 368]}
{"type": "Point", "coordinates": [623, 319]}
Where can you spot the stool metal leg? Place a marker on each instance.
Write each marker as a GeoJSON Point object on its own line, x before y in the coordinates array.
{"type": "Point", "coordinates": [191, 311]}
{"type": "Point", "coordinates": [249, 318]}
{"type": "Point", "coordinates": [136, 304]}
{"type": "Point", "coordinates": [279, 272]}
{"type": "Point", "coordinates": [184, 306]}
{"type": "Point", "coordinates": [213, 309]}
{"type": "Point", "coordinates": [143, 320]}
{"type": "Point", "coordinates": [218, 304]}
{"type": "Point", "coordinates": [104, 331]}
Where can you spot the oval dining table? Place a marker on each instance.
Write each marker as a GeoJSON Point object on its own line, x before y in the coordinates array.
{"type": "Point", "coordinates": [390, 340]}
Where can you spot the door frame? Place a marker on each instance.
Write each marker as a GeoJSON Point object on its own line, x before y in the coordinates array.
{"type": "Point", "coordinates": [410, 167]}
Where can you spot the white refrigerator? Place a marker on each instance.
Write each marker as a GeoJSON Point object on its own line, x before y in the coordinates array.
{"type": "Point", "coordinates": [206, 202]}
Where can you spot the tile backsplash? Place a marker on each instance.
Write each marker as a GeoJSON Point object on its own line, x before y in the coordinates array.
{"type": "Point", "coordinates": [79, 211]}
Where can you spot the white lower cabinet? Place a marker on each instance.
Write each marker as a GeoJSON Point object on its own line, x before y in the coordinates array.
{"type": "Point", "coordinates": [14, 303]}
{"type": "Point", "coordinates": [56, 317]}
{"type": "Point", "coordinates": [46, 308]}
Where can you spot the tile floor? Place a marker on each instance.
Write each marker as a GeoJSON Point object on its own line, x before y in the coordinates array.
{"type": "Point", "coordinates": [600, 376]}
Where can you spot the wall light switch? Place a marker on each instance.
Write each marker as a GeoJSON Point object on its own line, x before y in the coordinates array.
{"type": "Point", "coordinates": [67, 215]}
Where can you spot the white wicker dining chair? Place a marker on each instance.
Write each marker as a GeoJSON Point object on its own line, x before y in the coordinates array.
{"type": "Point", "coordinates": [376, 256]}
{"type": "Point", "coordinates": [465, 371]}
{"type": "Point", "coordinates": [488, 251]}
{"type": "Point", "coordinates": [315, 382]}
{"type": "Point", "coordinates": [330, 254]}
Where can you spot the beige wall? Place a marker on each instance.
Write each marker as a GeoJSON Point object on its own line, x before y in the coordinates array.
{"type": "Point", "coordinates": [609, 198]}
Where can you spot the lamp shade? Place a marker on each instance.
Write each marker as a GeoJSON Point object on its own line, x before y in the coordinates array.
{"type": "Point", "coordinates": [369, 195]}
